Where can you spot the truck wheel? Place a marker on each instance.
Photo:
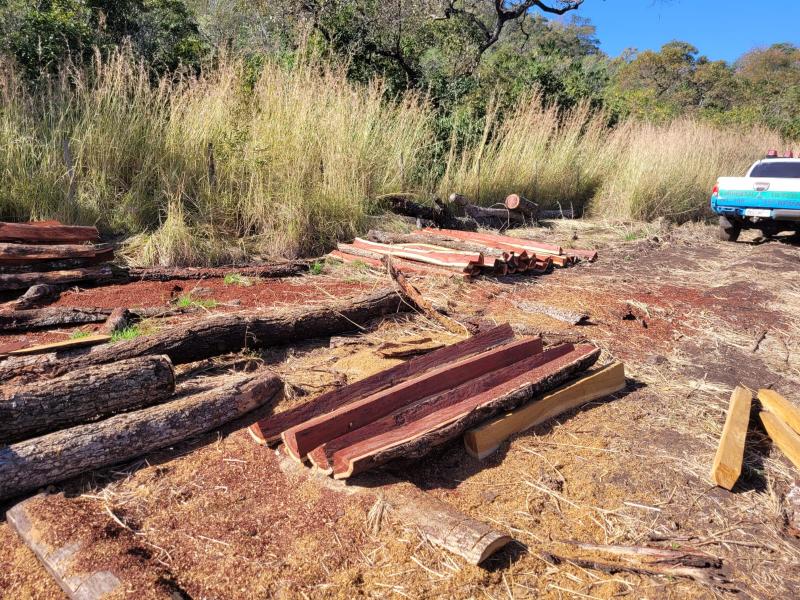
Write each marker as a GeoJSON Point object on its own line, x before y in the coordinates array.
{"type": "Point", "coordinates": [729, 230]}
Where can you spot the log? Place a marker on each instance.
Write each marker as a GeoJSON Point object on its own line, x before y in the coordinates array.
{"type": "Point", "coordinates": [282, 269]}
{"type": "Point", "coordinates": [783, 436]}
{"type": "Point", "coordinates": [71, 344]}
{"type": "Point", "coordinates": [54, 457]}
{"type": "Point", "coordinates": [60, 562]}
{"type": "Point", "coordinates": [20, 281]}
{"type": "Point", "coordinates": [728, 460]}
{"type": "Point", "coordinates": [427, 425]}
{"type": "Point", "coordinates": [24, 254]}
{"type": "Point", "coordinates": [436, 521]}
{"type": "Point", "coordinates": [492, 216]}
{"type": "Point", "coordinates": [566, 213]}
{"type": "Point", "coordinates": [522, 205]}
{"type": "Point", "coordinates": [269, 430]}
{"type": "Point", "coordinates": [43, 318]}
{"type": "Point", "coordinates": [220, 334]}
{"type": "Point", "coordinates": [35, 296]}
{"type": "Point", "coordinates": [83, 396]}
{"type": "Point", "coordinates": [485, 439]}
{"type": "Point", "coordinates": [439, 214]}
{"type": "Point", "coordinates": [119, 319]}
{"type": "Point", "coordinates": [305, 437]}
{"type": "Point", "coordinates": [781, 408]}
{"type": "Point", "coordinates": [47, 232]}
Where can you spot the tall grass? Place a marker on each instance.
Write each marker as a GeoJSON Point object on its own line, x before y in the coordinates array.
{"type": "Point", "coordinates": [214, 168]}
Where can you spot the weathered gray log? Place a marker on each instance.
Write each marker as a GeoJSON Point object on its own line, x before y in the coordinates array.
{"type": "Point", "coordinates": [83, 395]}
{"type": "Point", "coordinates": [567, 213]}
{"type": "Point", "coordinates": [283, 269]}
{"type": "Point", "coordinates": [35, 296]}
{"type": "Point", "coordinates": [54, 457]}
{"type": "Point", "coordinates": [493, 215]}
{"type": "Point", "coordinates": [20, 281]}
{"type": "Point", "coordinates": [43, 318]}
{"type": "Point", "coordinates": [217, 334]}
{"type": "Point", "coordinates": [23, 254]}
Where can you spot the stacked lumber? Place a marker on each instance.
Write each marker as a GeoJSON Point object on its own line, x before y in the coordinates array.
{"type": "Point", "coordinates": [407, 411]}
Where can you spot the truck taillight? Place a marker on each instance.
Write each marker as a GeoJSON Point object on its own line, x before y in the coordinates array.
{"type": "Point", "coordinates": [772, 154]}
{"type": "Point", "coordinates": [715, 191]}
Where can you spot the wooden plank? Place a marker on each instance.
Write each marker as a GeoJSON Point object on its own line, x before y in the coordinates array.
{"type": "Point", "coordinates": [728, 461]}
{"type": "Point", "coordinates": [463, 260]}
{"type": "Point", "coordinates": [269, 430]}
{"type": "Point", "coordinates": [303, 438]}
{"type": "Point", "coordinates": [416, 438]}
{"type": "Point", "coordinates": [529, 245]}
{"type": "Point", "coordinates": [47, 232]}
{"type": "Point", "coordinates": [89, 340]}
{"type": "Point", "coordinates": [60, 562]}
{"type": "Point", "coordinates": [320, 456]}
{"type": "Point", "coordinates": [485, 439]}
{"type": "Point", "coordinates": [779, 406]}
{"type": "Point", "coordinates": [783, 436]}
{"type": "Point", "coordinates": [406, 266]}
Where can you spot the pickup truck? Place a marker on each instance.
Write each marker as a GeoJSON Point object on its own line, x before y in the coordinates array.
{"type": "Point", "coordinates": [767, 198]}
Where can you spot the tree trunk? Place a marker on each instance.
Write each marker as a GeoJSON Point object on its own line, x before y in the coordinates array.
{"type": "Point", "coordinates": [20, 281]}
{"type": "Point", "coordinates": [42, 318]}
{"type": "Point", "coordinates": [35, 296]}
{"type": "Point", "coordinates": [84, 395]}
{"type": "Point", "coordinates": [218, 334]}
{"type": "Point", "coordinates": [57, 456]}
{"type": "Point", "coordinates": [493, 215]}
{"type": "Point", "coordinates": [522, 206]}
{"type": "Point", "coordinates": [47, 232]}
{"type": "Point", "coordinates": [438, 214]}
{"type": "Point", "coordinates": [287, 269]}
{"type": "Point", "coordinates": [23, 254]}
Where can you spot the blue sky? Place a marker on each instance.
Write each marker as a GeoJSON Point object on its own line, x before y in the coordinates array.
{"type": "Point", "coordinates": [720, 29]}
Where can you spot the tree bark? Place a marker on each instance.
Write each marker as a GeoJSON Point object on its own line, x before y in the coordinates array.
{"type": "Point", "coordinates": [287, 269]}
{"type": "Point", "coordinates": [83, 396]}
{"type": "Point", "coordinates": [24, 254]}
{"type": "Point", "coordinates": [218, 334]}
{"type": "Point", "coordinates": [20, 281]}
{"type": "Point", "coordinates": [44, 318]}
{"type": "Point", "coordinates": [47, 232]}
{"type": "Point", "coordinates": [57, 456]}
{"type": "Point", "coordinates": [493, 215]}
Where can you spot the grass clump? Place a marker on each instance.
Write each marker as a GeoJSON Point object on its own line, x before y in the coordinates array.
{"type": "Point", "coordinates": [187, 301]}
{"type": "Point", "coordinates": [238, 279]}
{"type": "Point", "coordinates": [76, 335]}
{"type": "Point", "coordinates": [316, 267]}
{"type": "Point", "coordinates": [128, 333]}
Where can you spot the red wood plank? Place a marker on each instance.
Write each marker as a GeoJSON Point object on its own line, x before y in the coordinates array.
{"type": "Point", "coordinates": [320, 456]}
{"type": "Point", "coordinates": [23, 254]}
{"type": "Point", "coordinates": [47, 233]}
{"type": "Point", "coordinates": [494, 238]}
{"type": "Point", "coordinates": [455, 259]}
{"type": "Point", "coordinates": [431, 428]}
{"type": "Point", "coordinates": [303, 438]}
{"type": "Point", "coordinates": [270, 429]}
{"type": "Point", "coordinates": [406, 266]}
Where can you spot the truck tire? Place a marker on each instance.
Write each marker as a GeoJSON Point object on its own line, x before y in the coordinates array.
{"type": "Point", "coordinates": [729, 230]}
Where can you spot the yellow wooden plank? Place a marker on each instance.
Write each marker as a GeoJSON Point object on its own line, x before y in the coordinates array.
{"type": "Point", "coordinates": [730, 453]}
{"type": "Point", "coordinates": [483, 440]}
{"type": "Point", "coordinates": [89, 340]}
{"type": "Point", "coordinates": [783, 437]}
{"type": "Point", "coordinates": [779, 406]}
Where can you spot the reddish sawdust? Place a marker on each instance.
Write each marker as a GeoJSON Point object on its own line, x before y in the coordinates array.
{"type": "Point", "coordinates": [617, 471]}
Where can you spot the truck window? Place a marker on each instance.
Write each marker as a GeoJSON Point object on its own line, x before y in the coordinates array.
{"type": "Point", "coordinates": [776, 169]}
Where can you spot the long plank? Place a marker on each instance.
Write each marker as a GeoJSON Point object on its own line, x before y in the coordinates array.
{"type": "Point", "coordinates": [302, 439]}
{"type": "Point", "coordinates": [444, 259]}
{"type": "Point", "coordinates": [778, 405]}
{"type": "Point", "coordinates": [269, 430]}
{"type": "Point", "coordinates": [730, 454]}
{"type": "Point", "coordinates": [320, 457]}
{"type": "Point", "coordinates": [89, 340]}
{"type": "Point", "coordinates": [783, 436]}
{"type": "Point", "coordinates": [529, 245]}
{"type": "Point", "coordinates": [485, 439]}
{"type": "Point", "coordinates": [420, 436]}
{"type": "Point", "coordinates": [59, 562]}
{"type": "Point", "coordinates": [406, 266]}
{"type": "Point", "coordinates": [47, 232]}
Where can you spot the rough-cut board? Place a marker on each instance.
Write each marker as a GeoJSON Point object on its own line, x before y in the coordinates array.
{"type": "Point", "coordinates": [303, 438]}
{"type": "Point", "coordinates": [59, 562]}
{"type": "Point", "coordinates": [436, 521]}
{"type": "Point", "coordinates": [488, 238]}
{"type": "Point", "coordinates": [47, 232]}
{"type": "Point", "coordinates": [783, 436]}
{"type": "Point", "coordinates": [37, 462]}
{"type": "Point", "coordinates": [727, 464]}
{"type": "Point", "coordinates": [485, 439]}
{"type": "Point", "coordinates": [21, 281]}
{"type": "Point", "coordinates": [322, 456]}
{"type": "Point", "coordinates": [269, 430]}
{"type": "Point", "coordinates": [781, 407]}
{"type": "Point", "coordinates": [421, 435]}
{"type": "Point", "coordinates": [455, 259]}
{"type": "Point", "coordinates": [83, 395]}
{"type": "Point", "coordinates": [81, 342]}
{"type": "Point", "coordinates": [407, 266]}
{"type": "Point", "coordinates": [219, 334]}
{"type": "Point", "coordinates": [21, 254]}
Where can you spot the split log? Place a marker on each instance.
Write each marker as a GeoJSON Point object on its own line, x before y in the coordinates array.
{"type": "Point", "coordinates": [730, 454]}
{"type": "Point", "coordinates": [780, 407]}
{"type": "Point", "coordinates": [83, 396]}
{"type": "Point", "coordinates": [284, 269]}
{"type": "Point", "coordinates": [485, 439]}
{"type": "Point", "coordinates": [436, 521]}
{"type": "Point", "coordinates": [37, 462]}
{"type": "Point", "coordinates": [220, 334]}
{"type": "Point", "coordinates": [522, 205]}
{"type": "Point", "coordinates": [269, 430]}
{"type": "Point", "coordinates": [47, 232]}
{"type": "Point", "coordinates": [20, 281]}
{"type": "Point", "coordinates": [559, 314]}
{"type": "Point", "coordinates": [24, 254]}
{"type": "Point", "coordinates": [304, 438]}
{"type": "Point", "coordinates": [35, 296]}
{"type": "Point", "coordinates": [783, 436]}
{"type": "Point", "coordinates": [415, 431]}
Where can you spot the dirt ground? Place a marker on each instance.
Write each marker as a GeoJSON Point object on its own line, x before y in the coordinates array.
{"type": "Point", "coordinates": [690, 317]}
